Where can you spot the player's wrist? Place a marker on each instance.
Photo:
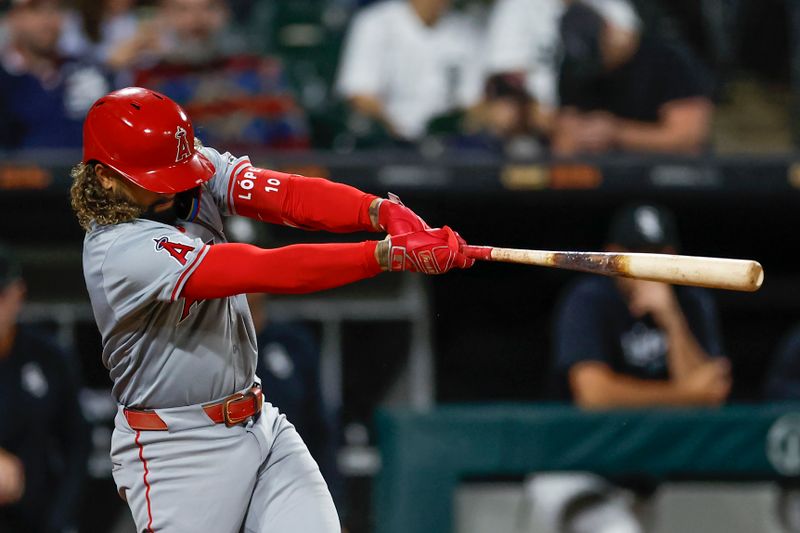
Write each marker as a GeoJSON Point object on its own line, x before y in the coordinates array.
{"type": "Point", "coordinates": [374, 213]}
{"type": "Point", "coordinates": [382, 253]}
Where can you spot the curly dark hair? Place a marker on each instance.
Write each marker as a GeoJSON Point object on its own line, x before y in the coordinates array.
{"type": "Point", "coordinates": [91, 202]}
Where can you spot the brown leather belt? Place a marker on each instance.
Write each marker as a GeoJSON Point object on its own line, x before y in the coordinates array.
{"type": "Point", "coordinates": [233, 410]}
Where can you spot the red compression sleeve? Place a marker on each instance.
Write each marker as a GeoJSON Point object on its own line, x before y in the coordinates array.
{"type": "Point", "coordinates": [309, 203]}
{"type": "Point", "coordinates": [233, 268]}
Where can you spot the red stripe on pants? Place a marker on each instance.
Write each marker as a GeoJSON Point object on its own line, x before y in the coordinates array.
{"type": "Point", "coordinates": [146, 484]}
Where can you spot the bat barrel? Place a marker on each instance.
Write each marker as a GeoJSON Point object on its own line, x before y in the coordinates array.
{"type": "Point", "coordinates": [714, 272]}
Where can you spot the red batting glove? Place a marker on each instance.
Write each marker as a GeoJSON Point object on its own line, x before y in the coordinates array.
{"type": "Point", "coordinates": [395, 219]}
{"type": "Point", "coordinates": [431, 251]}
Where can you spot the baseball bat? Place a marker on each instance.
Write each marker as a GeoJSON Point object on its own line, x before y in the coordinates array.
{"type": "Point", "coordinates": [711, 272]}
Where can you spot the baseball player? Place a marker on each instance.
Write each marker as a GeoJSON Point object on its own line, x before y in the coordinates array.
{"type": "Point", "coordinates": [195, 448]}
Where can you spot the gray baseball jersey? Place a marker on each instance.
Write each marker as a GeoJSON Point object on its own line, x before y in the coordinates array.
{"type": "Point", "coordinates": [160, 349]}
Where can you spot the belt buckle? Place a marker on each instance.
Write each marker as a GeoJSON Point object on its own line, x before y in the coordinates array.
{"type": "Point", "coordinates": [231, 421]}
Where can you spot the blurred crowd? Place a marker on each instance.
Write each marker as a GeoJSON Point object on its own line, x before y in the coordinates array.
{"type": "Point", "coordinates": [571, 76]}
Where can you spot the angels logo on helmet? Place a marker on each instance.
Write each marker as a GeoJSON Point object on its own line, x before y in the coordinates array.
{"type": "Point", "coordinates": [183, 145]}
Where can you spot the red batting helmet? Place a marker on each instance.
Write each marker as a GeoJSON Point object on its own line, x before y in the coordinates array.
{"type": "Point", "coordinates": [147, 138]}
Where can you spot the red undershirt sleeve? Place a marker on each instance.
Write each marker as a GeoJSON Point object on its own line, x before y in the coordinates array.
{"type": "Point", "coordinates": [233, 268]}
{"type": "Point", "coordinates": [309, 203]}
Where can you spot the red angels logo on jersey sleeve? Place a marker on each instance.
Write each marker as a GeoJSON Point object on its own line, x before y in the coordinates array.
{"type": "Point", "coordinates": [177, 250]}
{"type": "Point", "coordinates": [184, 151]}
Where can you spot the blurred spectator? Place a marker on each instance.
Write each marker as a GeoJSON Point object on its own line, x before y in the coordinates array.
{"type": "Point", "coordinates": [195, 31]}
{"type": "Point", "coordinates": [177, 32]}
{"type": "Point", "coordinates": [97, 31]}
{"type": "Point", "coordinates": [289, 368]}
{"type": "Point", "coordinates": [43, 436]}
{"type": "Point", "coordinates": [622, 343]}
{"type": "Point", "coordinates": [522, 58]}
{"type": "Point", "coordinates": [406, 62]}
{"type": "Point", "coordinates": [623, 90]}
{"type": "Point", "coordinates": [43, 95]}
{"type": "Point", "coordinates": [237, 101]}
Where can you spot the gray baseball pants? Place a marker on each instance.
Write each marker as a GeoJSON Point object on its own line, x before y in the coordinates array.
{"type": "Point", "coordinates": [200, 476]}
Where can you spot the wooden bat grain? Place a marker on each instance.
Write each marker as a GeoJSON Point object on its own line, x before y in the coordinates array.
{"type": "Point", "coordinates": [710, 272]}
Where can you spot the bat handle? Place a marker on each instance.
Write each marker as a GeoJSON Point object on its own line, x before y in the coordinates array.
{"type": "Point", "coordinates": [477, 252]}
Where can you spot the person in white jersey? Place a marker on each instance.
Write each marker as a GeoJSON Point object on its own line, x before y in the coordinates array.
{"type": "Point", "coordinates": [406, 62]}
